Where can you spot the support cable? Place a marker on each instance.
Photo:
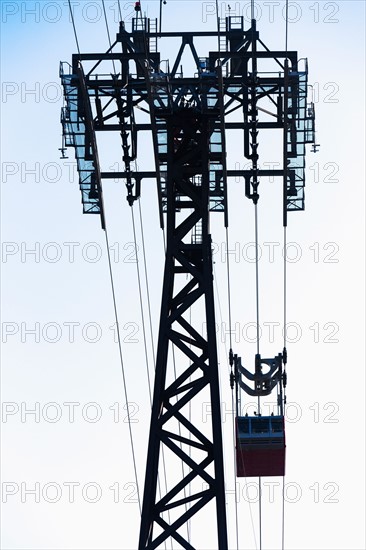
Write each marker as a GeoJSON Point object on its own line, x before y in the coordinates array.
{"type": "Point", "coordinates": [122, 367]}
{"type": "Point", "coordinates": [228, 287]}
{"type": "Point", "coordinates": [284, 288]}
{"type": "Point", "coordinates": [230, 355]}
{"type": "Point", "coordinates": [284, 360]}
{"type": "Point", "coordinates": [285, 237]}
{"type": "Point", "coordinates": [108, 33]}
{"type": "Point", "coordinates": [256, 276]}
{"type": "Point", "coordinates": [73, 24]}
{"type": "Point", "coordinates": [257, 309]}
{"type": "Point", "coordinates": [143, 326]}
{"type": "Point", "coordinates": [146, 282]}
{"type": "Point", "coordinates": [284, 301]}
{"type": "Point", "coordinates": [232, 394]}
{"type": "Point", "coordinates": [141, 305]}
{"type": "Point", "coordinates": [116, 319]}
{"type": "Point", "coordinates": [119, 10]}
{"type": "Point", "coordinates": [255, 199]}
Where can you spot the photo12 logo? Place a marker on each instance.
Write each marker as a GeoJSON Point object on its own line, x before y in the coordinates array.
{"type": "Point", "coordinates": [69, 412]}
{"type": "Point", "coordinates": [273, 11]}
{"type": "Point", "coordinates": [56, 12]}
{"type": "Point", "coordinates": [69, 492]}
{"type": "Point", "coordinates": [274, 491]}
{"type": "Point", "coordinates": [53, 252]}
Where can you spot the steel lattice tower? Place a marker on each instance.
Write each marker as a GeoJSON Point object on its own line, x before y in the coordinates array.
{"type": "Point", "coordinates": [187, 120]}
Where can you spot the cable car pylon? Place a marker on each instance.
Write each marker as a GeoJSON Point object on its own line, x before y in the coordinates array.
{"type": "Point", "coordinates": [187, 117]}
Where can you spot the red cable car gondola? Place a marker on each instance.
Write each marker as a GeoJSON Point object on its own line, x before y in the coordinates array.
{"type": "Point", "coordinates": [260, 446]}
{"type": "Point", "coordinates": [260, 440]}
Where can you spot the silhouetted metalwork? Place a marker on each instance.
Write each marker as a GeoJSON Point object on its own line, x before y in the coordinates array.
{"type": "Point", "coordinates": [188, 118]}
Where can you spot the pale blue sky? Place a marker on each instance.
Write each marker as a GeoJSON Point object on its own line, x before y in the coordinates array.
{"type": "Point", "coordinates": [65, 284]}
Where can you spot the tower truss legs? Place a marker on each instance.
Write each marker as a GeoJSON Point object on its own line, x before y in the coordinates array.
{"type": "Point", "coordinates": [188, 282]}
